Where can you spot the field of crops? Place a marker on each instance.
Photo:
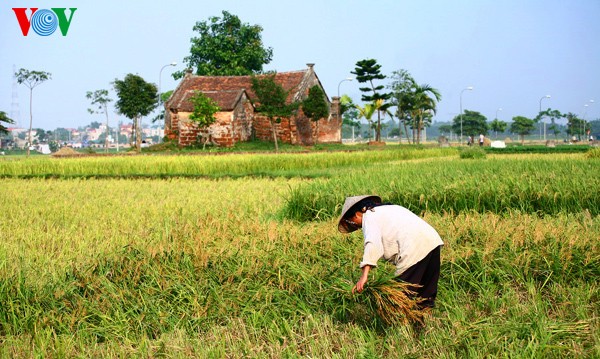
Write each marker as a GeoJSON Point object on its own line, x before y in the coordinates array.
{"type": "Point", "coordinates": [239, 256]}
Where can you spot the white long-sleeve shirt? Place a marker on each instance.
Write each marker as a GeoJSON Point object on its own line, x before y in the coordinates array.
{"type": "Point", "coordinates": [399, 236]}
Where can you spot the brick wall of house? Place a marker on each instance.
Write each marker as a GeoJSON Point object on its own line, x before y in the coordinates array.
{"type": "Point", "coordinates": [242, 121]}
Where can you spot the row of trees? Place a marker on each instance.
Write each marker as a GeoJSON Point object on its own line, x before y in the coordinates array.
{"type": "Point", "coordinates": [415, 104]}
{"type": "Point", "coordinates": [474, 123]}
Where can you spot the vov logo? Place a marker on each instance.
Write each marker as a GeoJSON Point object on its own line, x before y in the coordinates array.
{"type": "Point", "coordinates": [43, 21]}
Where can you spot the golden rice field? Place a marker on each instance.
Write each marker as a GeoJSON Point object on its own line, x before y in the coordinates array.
{"type": "Point", "coordinates": [238, 256]}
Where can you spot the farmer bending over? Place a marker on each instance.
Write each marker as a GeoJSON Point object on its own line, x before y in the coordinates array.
{"type": "Point", "coordinates": [399, 236]}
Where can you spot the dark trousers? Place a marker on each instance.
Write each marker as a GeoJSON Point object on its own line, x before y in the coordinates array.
{"type": "Point", "coordinates": [425, 273]}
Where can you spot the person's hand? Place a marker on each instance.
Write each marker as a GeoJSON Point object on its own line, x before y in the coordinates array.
{"type": "Point", "coordinates": [360, 285]}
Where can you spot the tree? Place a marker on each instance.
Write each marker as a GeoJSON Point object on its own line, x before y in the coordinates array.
{"type": "Point", "coordinates": [315, 107]}
{"type": "Point", "coordinates": [401, 86]}
{"type": "Point", "coordinates": [522, 126]}
{"type": "Point", "coordinates": [4, 118]}
{"type": "Point", "coordinates": [31, 79]}
{"type": "Point", "coordinates": [3, 130]}
{"type": "Point", "coordinates": [41, 134]}
{"type": "Point", "coordinates": [227, 47]}
{"type": "Point", "coordinates": [100, 99]}
{"type": "Point", "coordinates": [62, 134]}
{"type": "Point", "coordinates": [575, 125]}
{"type": "Point", "coordinates": [553, 115]}
{"type": "Point", "coordinates": [204, 112]}
{"type": "Point", "coordinates": [498, 126]}
{"type": "Point", "coordinates": [137, 98]}
{"type": "Point", "coordinates": [473, 123]}
{"type": "Point", "coordinates": [349, 113]}
{"type": "Point", "coordinates": [422, 102]}
{"type": "Point", "coordinates": [271, 100]}
{"type": "Point", "coordinates": [366, 71]}
{"type": "Point", "coordinates": [367, 113]}
{"type": "Point", "coordinates": [445, 129]}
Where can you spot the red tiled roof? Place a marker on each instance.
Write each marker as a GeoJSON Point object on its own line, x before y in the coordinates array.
{"type": "Point", "coordinates": [226, 100]}
{"type": "Point", "coordinates": [225, 90]}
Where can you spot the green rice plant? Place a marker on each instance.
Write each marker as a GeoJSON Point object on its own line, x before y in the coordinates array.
{"type": "Point", "coordinates": [207, 166]}
{"type": "Point", "coordinates": [593, 153]}
{"type": "Point", "coordinates": [471, 153]}
{"type": "Point", "coordinates": [197, 267]}
{"type": "Point", "coordinates": [541, 185]}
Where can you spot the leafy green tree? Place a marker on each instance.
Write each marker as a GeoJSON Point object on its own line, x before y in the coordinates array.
{"type": "Point", "coordinates": [498, 127]}
{"type": "Point", "coordinates": [204, 112]}
{"type": "Point", "coordinates": [367, 112]}
{"type": "Point", "coordinates": [553, 115]}
{"type": "Point", "coordinates": [4, 118]}
{"type": "Point", "coordinates": [367, 71]}
{"type": "Point", "coordinates": [473, 123]}
{"type": "Point", "coordinates": [62, 134]}
{"type": "Point", "coordinates": [272, 101]}
{"type": "Point", "coordinates": [315, 107]}
{"type": "Point", "coordinates": [423, 104]}
{"type": "Point", "coordinates": [100, 100]}
{"type": "Point", "coordinates": [41, 134]}
{"type": "Point", "coordinates": [401, 86]}
{"type": "Point", "coordinates": [522, 126]}
{"type": "Point", "coordinates": [349, 114]}
{"type": "Point", "coordinates": [3, 130]}
{"type": "Point", "coordinates": [137, 98]}
{"type": "Point", "coordinates": [555, 130]}
{"type": "Point", "coordinates": [445, 129]}
{"type": "Point", "coordinates": [31, 79]}
{"type": "Point", "coordinates": [227, 47]}
{"type": "Point", "coordinates": [575, 125]}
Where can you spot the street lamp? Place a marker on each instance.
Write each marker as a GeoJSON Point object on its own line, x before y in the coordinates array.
{"type": "Point", "coordinates": [585, 113]}
{"type": "Point", "coordinates": [539, 114]}
{"type": "Point", "coordinates": [346, 79]}
{"type": "Point", "coordinates": [159, 99]}
{"type": "Point", "coordinates": [470, 88]}
{"type": "Point", "coordinates": [500, 109]}
{"type": "Point", "coordinates": [339, 102]}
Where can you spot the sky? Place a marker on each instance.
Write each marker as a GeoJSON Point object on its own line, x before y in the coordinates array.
{"type": "Point", "coordinates": [512, 52]}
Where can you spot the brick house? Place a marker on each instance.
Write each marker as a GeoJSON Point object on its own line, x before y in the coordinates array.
{"type": "Point", "coordinates": [237, 121]}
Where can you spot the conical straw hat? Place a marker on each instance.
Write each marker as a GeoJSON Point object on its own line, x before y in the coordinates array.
{"type": "Point", "coordinates": [351, 201]}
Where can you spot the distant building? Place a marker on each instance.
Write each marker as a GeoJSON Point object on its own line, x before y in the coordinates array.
{"type": "Point", "coordinates": [238, 121]}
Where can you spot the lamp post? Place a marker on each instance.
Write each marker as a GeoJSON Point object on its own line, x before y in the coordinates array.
{"type": "Point", "coordinates": [340, 104]}
{"type": "Point", "coordinates": [346, 79]}
{"type": "Point", "coordinates": [496, 118]}
{"type": "Point", "coordinates": [585, 113]}
{"type": "Point", "coordinates": [159, 99]}
{"type": "Point", "coordinates": [543, 97]}
{"type": "Point", "coordinates": [470, 88]}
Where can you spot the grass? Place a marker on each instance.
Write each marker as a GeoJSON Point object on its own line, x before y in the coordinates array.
{"type": "Point", "coordinates": [542, 185]}
{"type": "Point", "coordinates": [251, 165]}
{"type": "Point", "coordinates": [198, 267]}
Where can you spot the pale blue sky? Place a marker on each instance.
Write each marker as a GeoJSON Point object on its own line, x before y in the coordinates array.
{"type": "Point", "coordinates": [513, 52]}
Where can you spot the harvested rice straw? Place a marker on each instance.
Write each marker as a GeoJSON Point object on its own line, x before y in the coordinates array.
{"type": "Point", "coordinates": [392, 301]}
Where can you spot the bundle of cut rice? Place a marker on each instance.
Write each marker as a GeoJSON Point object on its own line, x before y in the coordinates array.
{"type": "Point", "coordinates": [394, 302]}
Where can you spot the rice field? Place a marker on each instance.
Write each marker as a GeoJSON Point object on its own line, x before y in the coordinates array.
{"type": "Point", "coordinates": [239, 256]}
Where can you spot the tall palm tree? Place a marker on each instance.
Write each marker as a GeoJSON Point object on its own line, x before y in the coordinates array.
{"type": "Point", "coordinates": [367, 113]}
{"type": "Point", "coordinates": [424, 99]}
